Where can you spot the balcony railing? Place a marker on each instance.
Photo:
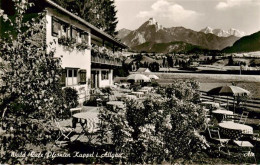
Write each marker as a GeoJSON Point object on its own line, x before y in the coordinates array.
{"type": "Point", "coordinates": [106, 57]}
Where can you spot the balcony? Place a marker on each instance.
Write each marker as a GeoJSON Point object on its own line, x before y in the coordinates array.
{"type": "Point", "coordinates": [105, 57]}
{"type": "Point", "coordinates": [80, 42]}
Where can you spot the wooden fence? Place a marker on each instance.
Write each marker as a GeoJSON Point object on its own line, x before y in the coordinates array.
{"type": "Point", "coordinates": [251, 104]}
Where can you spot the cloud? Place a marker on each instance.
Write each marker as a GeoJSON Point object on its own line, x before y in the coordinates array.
{"type": "Point", "coordinates": [170, 11]}
{"type": "Point", "coordinates": [233, 3]}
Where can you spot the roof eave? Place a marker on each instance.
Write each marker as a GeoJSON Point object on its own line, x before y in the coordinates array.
{"type": "Point", "coordinates": [92, 27]}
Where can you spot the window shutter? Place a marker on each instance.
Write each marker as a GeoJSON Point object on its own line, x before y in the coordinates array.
{"type": "Point", "coordinates": [82, 76]}
{"type": "Point", "coordinates": [63, 77]}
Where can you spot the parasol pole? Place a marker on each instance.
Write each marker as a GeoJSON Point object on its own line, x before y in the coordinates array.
{"type": "Point", "coordinates": [227, 103]}
{"type": "Point", "coordinates": [234, 102]}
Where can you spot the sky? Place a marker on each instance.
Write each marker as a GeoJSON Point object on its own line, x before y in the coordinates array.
{"type": "Point", "coordinates": [243, 15]}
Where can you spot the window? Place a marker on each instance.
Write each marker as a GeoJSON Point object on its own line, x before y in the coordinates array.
{"type": "Point", "coordinates": [75, 72]}
{"type": "Point", "coordinates": [59, 26]}
{"type": "Point", "coordinates": [82, 76]}
{"type": "Point", "coordinates": [72, 76]}
{"type": "Point", "coordinates": [104, 75]}
{"type": "Point", "coordinates": [56, 27]}
{"type": "Point", "coordinates": [70, 73]}
{"type": "Point", "coordinates": [74, 33]}
{"type": "Point", "coordinates": [84, 37]}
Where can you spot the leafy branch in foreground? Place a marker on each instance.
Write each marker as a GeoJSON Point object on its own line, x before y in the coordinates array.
{"type": "Point", "coordinates": [31, 90]}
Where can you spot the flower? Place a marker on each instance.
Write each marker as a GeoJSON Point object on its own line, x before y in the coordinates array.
{"type": "Point", "coordinates": [5, 17]}
{"type": "Point", "coordinates": [1, 12]}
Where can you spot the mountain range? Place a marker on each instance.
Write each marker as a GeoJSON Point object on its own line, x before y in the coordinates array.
{"type": "Point", "coordinates": [152, 35]}
{"type": "Point", "coordinates": [223, 33]}
{"type": "Point", "coordinates": [248, 43]}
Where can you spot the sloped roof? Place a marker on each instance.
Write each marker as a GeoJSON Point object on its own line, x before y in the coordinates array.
{"type": "Point", "coordinates": [147, 59]}
{"type": "Point", "coordinates": [92, 27]}
{"type": "Point", "coordinates": [129, 60]}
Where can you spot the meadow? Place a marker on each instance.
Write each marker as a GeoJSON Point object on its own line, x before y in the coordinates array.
{"type": "Point", "coordinates": [209, 81]}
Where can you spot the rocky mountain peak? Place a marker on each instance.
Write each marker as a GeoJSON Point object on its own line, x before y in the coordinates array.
{"type": "Point", "coordinates": [153, 22]}
{"type": "Point", "coordinates": [223, 33]}
{"type": "Point", "coordinates": [236, 32]}
{"type": "Point", "coordinates": [152, 32]}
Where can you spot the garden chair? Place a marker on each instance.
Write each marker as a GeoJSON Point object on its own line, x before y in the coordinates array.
{"type": "Point", "coordinates": [245, 149]}
{"type": "Point", "coordinates": [215, 136]}
{"type": "Point", "coordinates": [228, 117]}
{"type": "Point", "coordinates": [64, 132]}
{"type": "Point", "coordinates": [243, 117]}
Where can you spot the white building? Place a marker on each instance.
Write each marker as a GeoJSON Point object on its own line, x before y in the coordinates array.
{"type": "Point", "coordinates": [88, 54]}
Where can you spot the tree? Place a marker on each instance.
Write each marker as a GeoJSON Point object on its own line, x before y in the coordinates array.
{"type": "Point", "coordinates": [100, 13]}
{"type": "Point", "coordinates": [230, 60]}
{"type": "Point", "coordinates": [170, 61]}
{"type": "Point", "coordinates": [154, 67]}
{"type": "Point", "coordinates": [31, 90]}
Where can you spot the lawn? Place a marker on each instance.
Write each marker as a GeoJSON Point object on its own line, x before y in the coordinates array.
{"type": "Point", "coordinates": [209, 81]}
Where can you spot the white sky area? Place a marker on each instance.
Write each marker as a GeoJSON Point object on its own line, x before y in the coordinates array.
{"type": "Point", "coordinates": [243, 15]}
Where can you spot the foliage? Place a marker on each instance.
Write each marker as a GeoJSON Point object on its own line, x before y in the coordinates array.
{"type": "Point", "coordinates": [230, 60]}
{"type": "Point", "coordinates": [184, 90]}
{"type": "Point", "coordinates": [71, 43]}
{"type": "Point", "coordinates": [100, 13]}
{"type": "Point", "coordinates": [32, 95]}
{"type": "Point", "coordinates": [82, 46]}
{"type": "Point", "coordinates": [154, 67]}
{"type": "Point", "coordinates": [70, 96]}
{"type": "Point", "coordinates": [66, 41]}
{"type": "Point", "coordinates": [158, 128]}
{"type": "Point", "coordinates": [136, 86]}
{"type": "Point", "coordinates": [106, 90]}
{"type": "Point", "coordinates": [154, 83]}
{"type": "Point", "coordinates": [122, 71]}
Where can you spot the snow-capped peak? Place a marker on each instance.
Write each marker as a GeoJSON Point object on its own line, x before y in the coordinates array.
{"type": "Point", "coordinates": [207, 30]}
{"type": "Point", "coordinates": [236, 32]}
{"type": "Point", "coordinates": [223, 33]}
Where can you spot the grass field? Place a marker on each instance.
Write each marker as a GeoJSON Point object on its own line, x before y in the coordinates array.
{"type": "Point", "coordinates": [209, 81]}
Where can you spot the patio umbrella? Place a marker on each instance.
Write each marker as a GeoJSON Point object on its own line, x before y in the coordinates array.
{"type": "Point", "coordinates": [229, 91]}
{"type": "Point", "coordinates": [153, 76]}
{"type": "Point", "coordinates": [138, 77]}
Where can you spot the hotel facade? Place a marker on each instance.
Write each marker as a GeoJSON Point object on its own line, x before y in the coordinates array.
{"type": "Point", "coordinates": [88, 54]}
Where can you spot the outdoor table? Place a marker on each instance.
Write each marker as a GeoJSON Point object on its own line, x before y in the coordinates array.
{"type": "Point", "coordinates": [130, 97]}
{"type": "Point", "coordinates": [234, 130]}
{"type": "Point", "coordinates": [148, 88]}
{"type": "Point", "coordinates": [145, 91]}
{"type": "Point", "coordinates": [210, 103]}
{"type": "Point", "coordinates": [221, 113]}
{"type": "Point", "coordinates": [114, 104]}
{"type": "Point", "coordinates": [88, 120]}
{"type": "Point", "coordinates": [138, 94]}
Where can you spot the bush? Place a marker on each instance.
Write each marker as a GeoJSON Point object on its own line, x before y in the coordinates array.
{"type": "Point", "coordinates": [91, 102]}
{"type": "Point", "coordinates": [154, 84]}
{"type": "Point", "coordinates": [70, 97]}
{"type": "Point", "coordinates": [184, 90]}
{"type": "Point", "coordinates": [158, 128]}
{"type": "Point", "coordinates": [136, 86]}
